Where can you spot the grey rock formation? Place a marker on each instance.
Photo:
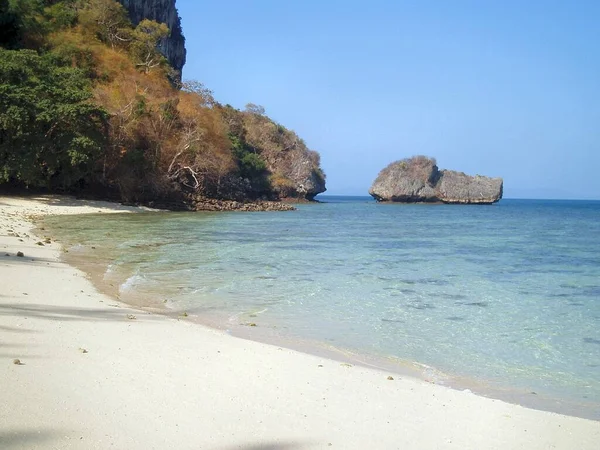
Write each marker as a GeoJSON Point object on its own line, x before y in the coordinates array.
{"type": "Point", "coordinates": [163, 11]}
{"type": "Point", "coordinates": [418, 180]}
{"type": "Point", "coordinates": [456, 187]}
{"type": "Point", "coordinates": [311, 185]}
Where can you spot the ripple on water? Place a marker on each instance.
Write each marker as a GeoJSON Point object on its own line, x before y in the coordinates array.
{"type": "Point", "coordinates": [393, 320]}
{"type": "Point", "coordinates": [452, 296]}
{"type": "Point", "coordinates": [421, 306]}
{"type": "Point", "coordinates": [478, 304]}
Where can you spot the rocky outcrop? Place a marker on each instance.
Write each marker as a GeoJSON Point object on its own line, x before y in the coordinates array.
{"type": "Point", "coordinates": [301, 169]}
{"type": "Point", "coordinates": [229, 205]}
{"type": "Point", "coordinates": [456, 187]}
{"type": "Point", "coordinates": [418, 180]}
{"type": "Point", "coordinates": [293, 169]}
{"type": "Point", "coordinates": [162, 11]}
{"type": "Point", "coordinates": [213, 204]}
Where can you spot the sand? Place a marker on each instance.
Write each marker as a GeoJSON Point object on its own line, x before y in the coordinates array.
{"type": "Point", "coordinates": [97, 374]}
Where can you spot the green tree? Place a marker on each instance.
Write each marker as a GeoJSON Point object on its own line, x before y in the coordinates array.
{"type": "Point", "coordinates": [107, 19]}
{"type": "Point", "coordinates": [30, 22]}
{"type": "Point", "coordinates": [51, 134]}
{"type": "Point", "coordinates": [144, 44]}
{"type": "Point", "coordinates": [251, 166]}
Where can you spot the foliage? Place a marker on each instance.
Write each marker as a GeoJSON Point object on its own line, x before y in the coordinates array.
{"type": "Point", "coordinates": [50, 133]}
{"type": "Point", "coordinates": [107, 20]}
{"type": "Point", "coordinates": [145, 39]}
{"type": "Point", "coordinates": [87, 101]}
{"type": "Point", "coordinates": [255, 109]}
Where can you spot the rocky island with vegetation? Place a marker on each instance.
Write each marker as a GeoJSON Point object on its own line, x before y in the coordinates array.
{"type": "Point", "coordinates": [418, 180]}
{"type": "Point", "coordinates": [91, 103]}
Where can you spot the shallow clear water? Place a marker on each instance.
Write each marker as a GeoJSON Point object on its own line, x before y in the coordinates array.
{"type": "Point", "coordinates": [508, 294]}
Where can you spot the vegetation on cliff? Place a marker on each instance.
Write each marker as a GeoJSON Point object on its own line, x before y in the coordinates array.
{"type": "Point", "coordinates": [86, 105]}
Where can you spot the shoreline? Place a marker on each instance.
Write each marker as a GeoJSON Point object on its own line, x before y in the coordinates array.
{"type": "Point", "coordinates": [268, 333]}
{"type": "Point", "coordinates": [203, 388]}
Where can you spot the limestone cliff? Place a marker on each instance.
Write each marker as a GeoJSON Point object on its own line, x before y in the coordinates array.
{"type": "Point", "coordinates": [163, 11]}
{"type": "Point", "coordinates": [418, 180]}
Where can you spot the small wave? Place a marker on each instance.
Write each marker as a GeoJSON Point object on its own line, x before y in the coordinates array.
{"type": "Point", "coordinates": [433, 375]}
{"type": "Point", "coordinates": [131, 283]}
{"type": "Point", "coordinates": [111, 270]}
{"type": "Point", "coordinates": [235, 317]}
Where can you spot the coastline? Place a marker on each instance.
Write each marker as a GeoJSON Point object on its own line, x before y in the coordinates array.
{"type": "Point", "coordinates": [154, 381]}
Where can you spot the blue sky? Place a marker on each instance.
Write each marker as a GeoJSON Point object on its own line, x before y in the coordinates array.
{"type": "Point", "coordinates": [498, 88]}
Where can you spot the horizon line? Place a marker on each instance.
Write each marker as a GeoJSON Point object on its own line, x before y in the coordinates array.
{"type": "Point", "coordinates": [504, 198]}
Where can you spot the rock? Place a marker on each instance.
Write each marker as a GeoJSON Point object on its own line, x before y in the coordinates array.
{"type": "Point", "coordinates": [18, 362]}
{"type": "Point", "coordinates": [20, 254]}
{"type": "Point", "coordinates": [391, 378]}
{"type": "Point", "coordinates": [211, 204]}
{"type": "Point", "coordinates": [301, 168]}
{"type": "Point", "coordinates": [457, 187]}
{"type": "Point", "coordinates": [162, 11]}
{"type": "Point", "coordinates": [418, 180]}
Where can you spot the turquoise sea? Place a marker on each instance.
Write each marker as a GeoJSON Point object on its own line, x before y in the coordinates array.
{"type": "Point", "coordinates": [503, 299]}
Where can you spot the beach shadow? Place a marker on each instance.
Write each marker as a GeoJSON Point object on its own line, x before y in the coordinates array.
{"type": "Point", "coordinates": [70, 201]}
{"type": "Point", "coordinates": [19, 439]}
{"type": "Point", "coordinates": [26, 260]}
{"type": "Point", "coordinates": [61, 313]}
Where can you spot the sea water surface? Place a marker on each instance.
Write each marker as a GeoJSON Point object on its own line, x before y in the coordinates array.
{"type": "Point", "coordinates": [502, 298]}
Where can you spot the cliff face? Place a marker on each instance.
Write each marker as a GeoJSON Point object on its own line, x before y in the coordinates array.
{"type": "Point", "coordinates": [302, 169]}
{"type": "Point", "coordinates": [162, 11]}
{"type": "Point", "coordinates": [456, 187]}
{"type": "Point", "coordinates": [293, 170]}
{"type": "Point", "coordinates": [418, 180]}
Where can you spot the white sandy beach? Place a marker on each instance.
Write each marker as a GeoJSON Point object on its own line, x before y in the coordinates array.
{"type": "Point", "coordinates": [96, 374]}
